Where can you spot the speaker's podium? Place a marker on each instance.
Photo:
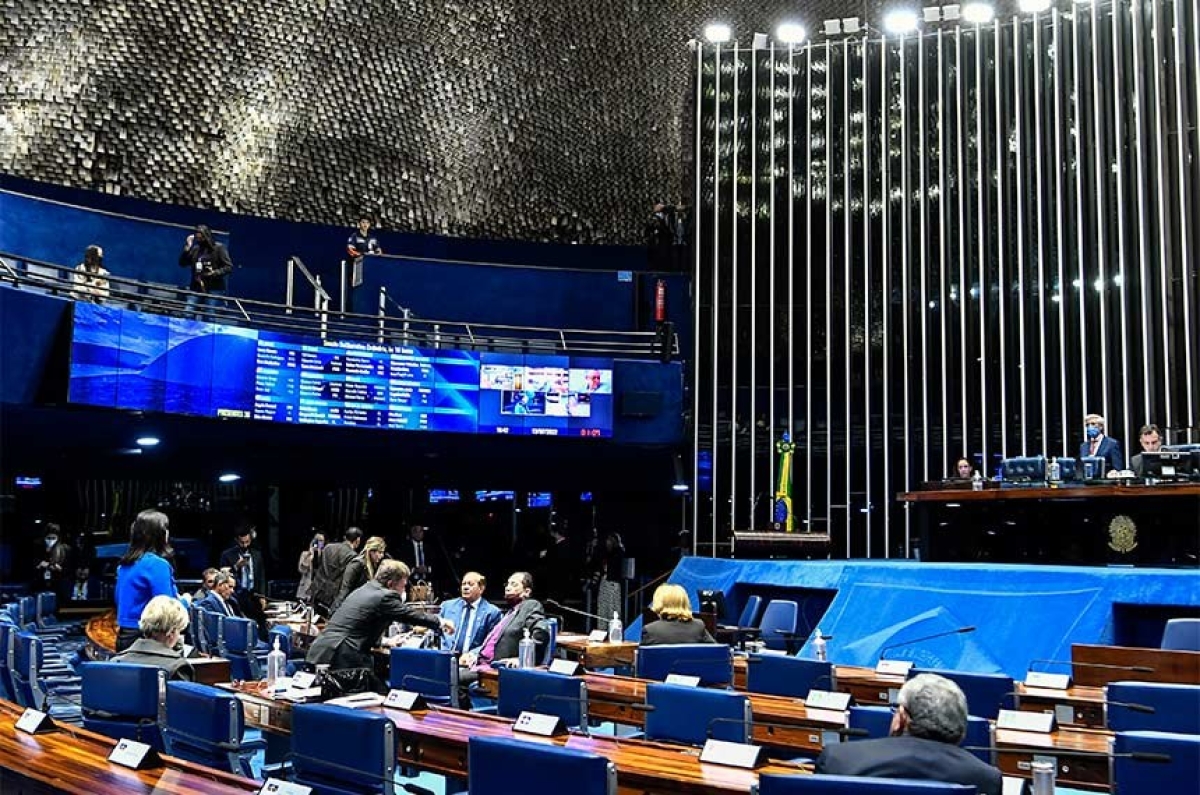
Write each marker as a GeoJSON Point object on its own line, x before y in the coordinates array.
{"type": "Point", "coordinates": [779, 543]}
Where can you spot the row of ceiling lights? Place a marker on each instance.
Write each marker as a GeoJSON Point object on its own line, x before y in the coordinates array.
{"type": "Point", "coordinates": [898, 21]}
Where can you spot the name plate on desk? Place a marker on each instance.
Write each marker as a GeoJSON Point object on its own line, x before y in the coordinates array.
{"type": "Point", "coordinates": [893, 667]}
{"type": "Point", "coordinates": [277, 786]}
{"type": "Point", "coordinates": [33, 722]}
{"type": "Point", "coordinates": [1039, 722]}
{"type": "Point", "coordinates": [1048, 681]}
{"type": "Point", "coordinates": [303, 680]}
{"type": "Point", "coordinates": [539, 724]}
{"type": "Point", "coordinates": [561, 666]}
{"type": "Point", "coordinates": [720, 752]}
{"type": "Point", "coordinates": [827, 699]}
{"type": "Point", "coordinates": [404, 699]}
{"type": "Point", "coordinates": [598, 636]}
{"type": "Point", "coordinates": [133, 755]}
{"type": "Point", "coordinates": [682, 679]}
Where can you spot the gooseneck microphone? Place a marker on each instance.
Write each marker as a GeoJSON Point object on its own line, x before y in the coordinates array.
{"type": "Point", "coordinates": [561, 606]}
{"type": "Point", "coordinates": [1145, 709]}
{"type": "Point", "coordinates": [1141, 669]}
{"type": "Point", "coordinates": [1137, 756]}
{"type": "Point", "coordinates": [842, 731]}
{"type": "Point", "coordinates": [961, 630]}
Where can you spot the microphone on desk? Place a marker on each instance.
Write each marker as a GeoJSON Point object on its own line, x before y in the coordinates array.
{"type": "Point", "coordinates": [1137, 756]}
{"type": "Point", "coordinates": [561, 606]}
{"type": "Point", "coordinates": [581, 702]}
{"type": "Point", "coordinates": [404, 680]}
{"type": "Point", "coordinates": [842, 731]}
{"type": "Point", "coordinates": [1141, 669]}
{"type": "Point", "coordinates": [961, 630]}
{"type": "Point", "coordinates": [1145, 709]}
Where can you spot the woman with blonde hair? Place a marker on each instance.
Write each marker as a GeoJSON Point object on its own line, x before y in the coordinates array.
{"type": "Point", "coordinates": [162, 624]}
{"type": "Point", "coordinates": [362, 569]}
{"type": "Point", "coordinates": [675, 623]}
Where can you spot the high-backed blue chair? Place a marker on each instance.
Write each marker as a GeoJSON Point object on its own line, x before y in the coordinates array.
{"type": "Point", "coordinates": [541, 691]}
{"type": "Point", "coordinates": [1141, 777]}
{"type": "Point", "coordinates": [875, 721]}
{"type": "Point", "coordinates": [979, 737]}
{"type": "Point", "coordinates": [55, 695]}
{"type": "Point", "coordinates": [121, 700]}
{"type": "Point", "coordinates": [778, 625]}
{"type": "Point", "coordinates": [551, 641]}
{"type": "Point", "coordinates": [780, 675]}
{"type": "Point", "coordinates": [1023, 469]}
{"type": "Point", "coordinates": [340, 751]}
{"type": "Point", "coordinates": [239, 643]}
{"type": "Point", "coordinates": [854, 785]}
{"type": "Point", "coordinates": [712, 662]}
{"type": "Point", "coordinates": [1176, 708]}
{"type": "Point", "coordinates": [502, 765]}
{"type": "Point", "coordinates": [986, 694]}
{"type": "Point", "coordinates": [1182, 634]}
{"type": "Point", "coordinates": [205, 725]}
{"type": "Point", "coordinates": [750, 613]}
{"type": "Point", "coordinates": [47, 614]}
{"type": "Point", "coordinates": [431, 672]}
{"type": "Point", "coordinates": [195, 628]}
{"type": "Point", "coordinates": [211, 632]}
{"type": "Point", "coordinates": [692, 715]}
{"type": "Point", "coordinates": [7, 690]}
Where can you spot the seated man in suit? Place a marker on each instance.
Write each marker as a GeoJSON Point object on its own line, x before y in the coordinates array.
{"type": "Point", "coordinates": [930, 721]}
{"type": "Point", "coordinates": [675, 623]}
{"type": "Point", "coordinates": [220, 598]}
{"type": "Point", "coordinates": [473, 617]}
{"type": "Point", "coordinates": [357, 625]}
{"type": "Point", "coordinates": [501, 646]}
{"type": "Point", "coordinates": [1151, 442]}
{"type": "Point", "coordinates": [162, 623]}
{"type": "Point", "coordinates": [1097, 444]}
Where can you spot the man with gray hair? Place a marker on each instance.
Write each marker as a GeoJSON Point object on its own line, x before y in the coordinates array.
{"type": "Point", "coordinates": [929, 722]}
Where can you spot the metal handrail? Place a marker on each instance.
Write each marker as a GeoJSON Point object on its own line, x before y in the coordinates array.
{"type": "Point", "coordinates": [379, 328]}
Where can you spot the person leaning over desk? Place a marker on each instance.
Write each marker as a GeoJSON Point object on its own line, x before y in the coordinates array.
{"type": "Point", "coordinates": [357, 625]}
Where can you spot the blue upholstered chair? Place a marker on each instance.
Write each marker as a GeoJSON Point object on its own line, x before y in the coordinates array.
{"type": "Point", "coordinates": [205, 725]}
{"type": "Point", "coordinates": [855, 785]}
{"type": "Point", "coordinates": [986, 694]}
{"type": "Point", "coordinates": [340, 751]}
{"type": "Point", "coordinates": [778, 625]}
{"type": "Point", "coordinates": [431, 672]}
{"type": "Point", "coordinates": [713, 663]}
{"type": "Point", "coordinates": [780, 675]}
{"type": "Point", "coordinates": [978, 737]}
{"type": "Point", "coordinates": [57, 695]}
{"type": "Point", "coordinates": [750, 613]}
{"type": "Point", "coordinates": [1177, 776]}
{"type": "Point", "coordinates": [501, 766]}
{"type": "Point", "coordinates": [1023, 469]}
{"type": "Point", "coordinates": [211, 631]}
{"type": "Point", "coordinates": [47, 615]}
{"type": "Point", "coordinates": [541, 691]}
{"type": "Point", "coordinates": [691, 715]}
{"type": "Point", "coordinates": [1182, 634]}
{"type": "Point", "coordinates": [1175, 708]}
{"type": "Point", "coordinates": [1069, 468]}
{"type": "Point", "coordinates": [121, 700]}
{"type": "Point", "coordinates": [875, 721]}
{"type": "Point", "coordinates": [239, 643]}
{"type": "Point", "coordinates": [7, 689]}
{"type": "Point", "coordinates": [551, 641]}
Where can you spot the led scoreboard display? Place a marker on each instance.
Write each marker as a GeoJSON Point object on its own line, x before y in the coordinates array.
{"type": "Point", "coordinates": [131, 360]}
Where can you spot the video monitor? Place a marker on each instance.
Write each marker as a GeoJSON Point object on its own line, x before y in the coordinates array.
{"type": "Point", "coordinates": [1172, 466]}
{"type": "Point", "coordinates": [538, 499]}
{"type": "Point", "coordinates": [494, 496]}
{"type": "Point", "coordinates": [545, 395]}
{"type": "Point", "coordinates": [438, 496]}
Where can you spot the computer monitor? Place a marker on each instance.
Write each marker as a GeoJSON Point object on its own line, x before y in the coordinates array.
{"type": "Point", "coordinates": [1172, 466]}
{"type": "Point", "coordinates": [711, 601]}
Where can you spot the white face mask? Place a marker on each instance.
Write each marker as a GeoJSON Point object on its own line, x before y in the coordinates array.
{"type": "Point", "coordinates": [404, 596]}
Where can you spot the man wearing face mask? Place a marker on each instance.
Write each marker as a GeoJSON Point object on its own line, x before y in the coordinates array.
{"type": "Point", "coordinates": [501, 645]}
{"type": "Point", "coordinates": [356, 626]}
{"type": "Point", "coordinates": [55, 562]}
{"type": "Point", "coordinates": [1097, 444]}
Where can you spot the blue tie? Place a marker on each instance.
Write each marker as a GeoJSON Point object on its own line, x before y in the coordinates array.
{"type": "Point", "coordinates": [461, 639]}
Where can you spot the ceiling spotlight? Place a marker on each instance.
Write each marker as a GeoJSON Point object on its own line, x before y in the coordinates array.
{"type": "Point", "coordinates": [900, 21]}
{"type": "Point", "coordinates": [147, 441]}
{"type": "Point", "coordinates": [978, 13]}
{"type": "Point", "coordinates": [679, 488]}
{"type": "Point", "coordinates": [230, 477]}
{"type": "Point", "coordinates": [718, 33]}
{"type": "Point", "coordinates": [1033, 6]}
{"type": "Point", "coordinates": [791, 33]}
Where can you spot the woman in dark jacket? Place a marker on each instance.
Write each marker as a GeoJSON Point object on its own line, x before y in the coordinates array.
{"type": "Point", "coordinates": [675, 623]}
{"type": "Point", "coordinates": [362, 569]}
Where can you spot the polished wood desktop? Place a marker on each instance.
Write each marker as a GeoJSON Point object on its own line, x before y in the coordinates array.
{"type": "Point", "coordinates": [101, 634]}
{"type": "Point", "coordinates": [993, 494]}
{"type": "Point", "coordinates": [1080, 706]}
{"type": "Point", "coordinates": [436, 739]}
{"type": "Point", "coordinates": [1090, 770]}
{"type": "Point", "coordinates": [74, 760]}
{"type": "Point", "coordinates": [593, 654]}
{"type": "Point", "coordinates": [1182, 667]}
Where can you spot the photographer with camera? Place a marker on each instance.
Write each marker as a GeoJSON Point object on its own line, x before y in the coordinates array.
{"type": "Point", "coordinates": [245, 563]}
{"type": "Point", "coordinates": [660, 237]}
{"type": "Point", "coordinates": [309, 560]}
{"type": "Point", "coordinates": [210, 267]}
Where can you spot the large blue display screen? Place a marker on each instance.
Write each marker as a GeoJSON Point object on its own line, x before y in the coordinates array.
{"type": "Point", "coordinates": [131, 360]}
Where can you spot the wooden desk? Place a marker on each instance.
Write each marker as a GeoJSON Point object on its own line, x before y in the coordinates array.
{"type": "Point", "coordinates": [1019, 749]}
{"type": "Point", "coordinates": [75, 761]}
{"type": "Point", "coordinates": [1182, 667]}
{"type": "Point", "coordinates": [436, 740]}
{"type": "Point", "coordinates": [597, 655]}
{"type": "Point", "coordinates": [1080, 706]}
{"type": "Point", "coordinates": [101, 645]}
{"type": "Point", "coordinates": [1115, 489]}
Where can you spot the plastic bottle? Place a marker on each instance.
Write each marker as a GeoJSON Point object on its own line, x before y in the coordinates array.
{"type": "Point", "coordinates": [527, 652]}
{"type": "Point", "coordinates": [976, 481]}
{"type": "Point", "coordinates": [276, 664]}
{"type": "Point", "coordinates": [616, 631]}
{"type": "Point", "coordinates": [1054, 472]}
{"type": "Point", "coordinates": [819, 646]}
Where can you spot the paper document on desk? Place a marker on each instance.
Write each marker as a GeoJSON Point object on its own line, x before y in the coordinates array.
{"type": "Point", "coordinates": [301, 694]}
{"type": "Point", "coordinates": [358, 700]}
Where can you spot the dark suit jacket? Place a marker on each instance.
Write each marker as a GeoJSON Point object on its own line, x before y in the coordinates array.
{"type": "Point", "coordinates": [354, 576]}
{"type": "Point", "coordinates": [1136, 465]}
{"type": "Point", "coordinates": [1109, 450]}
{"type": "Point", "coordinates": [527, 615]}
{"type": "Point", "coordinates": [910, 757]}
{"type": "Point", "coordinates": [486, 618]}
{"type": "Point", "coordinates": [147, 651]}
{"type": "Point", "coordinates": [356, 626]}
{"type": "Point", "coordinates": [662, 631]}
{"type": "Point", "coordinates": [213, 604]}
{"type": "Point", "coordinates": [229, 559]}
{"type": "Point", "coordinates": [327, 579]}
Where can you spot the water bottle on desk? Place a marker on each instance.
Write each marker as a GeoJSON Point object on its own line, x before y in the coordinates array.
{"type": "Point", "coordinates": [977, 481]}
{"type": "Point", "coordinates": [616, 632]}
{"type": "Point", "coordinates": [276, 664]}
{"type": "Point", "coordinates": [820, 648]}
{"type": "Point", "coordinates": [527, 652]}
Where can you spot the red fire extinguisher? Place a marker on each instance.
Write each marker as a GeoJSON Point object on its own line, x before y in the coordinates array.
{"type": "Point", "coordinates": [660, 301]}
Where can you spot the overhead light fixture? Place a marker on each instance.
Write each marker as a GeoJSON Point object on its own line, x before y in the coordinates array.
{"type": "Point", "coordinates": [791, 33]}
{"type": "Point", "coordinates": [759, 42]}
{"type": "Point", "coordinates": [978, 13]}
{"type": "Point", "coordinates": [1033, 6]}
{"type": "Point", "coordinates": [718, 33]}
{"type": "Point", "coordinates": [229, 477]}
{"type": "Point", "coordinates": [148, 441]}
{"type": "Point", "coordinates": [900, 21]}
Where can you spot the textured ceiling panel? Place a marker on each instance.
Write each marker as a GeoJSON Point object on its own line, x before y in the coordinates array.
{"type": "Point", "coordinates": [534, 120]}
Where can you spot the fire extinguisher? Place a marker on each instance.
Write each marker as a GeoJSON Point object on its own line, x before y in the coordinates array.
{"type": "Point", "coordinates": [660, 301]}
